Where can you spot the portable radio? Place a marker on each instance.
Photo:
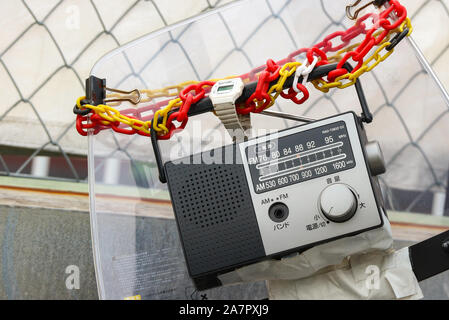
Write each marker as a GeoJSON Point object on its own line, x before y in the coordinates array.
{"type": "Point", "coordinates": [275, 195]}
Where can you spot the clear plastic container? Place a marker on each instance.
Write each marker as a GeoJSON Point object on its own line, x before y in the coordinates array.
{"type": "Point", "coordinates": [136, 245]}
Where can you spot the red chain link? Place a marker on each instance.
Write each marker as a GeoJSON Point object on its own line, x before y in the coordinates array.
{"type": "Point", "coordinates": [83, 124]}
{"type": "Point", "coordinates": [270, 72]}
{"type": "Point", "coordinates": [370, 41]}
{"type": "Point", "coordinates": [96, 122]}
{"type": "Point", "coordinates": [181, 115]}
{"type": "Point", "coordinates": [292, 94]}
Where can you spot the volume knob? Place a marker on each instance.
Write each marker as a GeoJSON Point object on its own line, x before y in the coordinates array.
{"type": "Point", "coordinates": [338, 202]}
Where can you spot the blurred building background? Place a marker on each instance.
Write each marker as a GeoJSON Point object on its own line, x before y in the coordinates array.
{"type": "Point", "coordinates": [47, 49]}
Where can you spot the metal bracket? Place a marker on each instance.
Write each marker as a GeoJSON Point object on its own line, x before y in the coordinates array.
{"type": "Point", "coordinates": [157, 153]}
{"type": "Point", "coordinates": [287, 116]}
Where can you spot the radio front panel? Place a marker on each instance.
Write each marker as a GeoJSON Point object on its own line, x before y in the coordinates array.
{"type": "Point", "coordinates": [293, 167]}
{"type": "Point", "coordinates": [280, 193]}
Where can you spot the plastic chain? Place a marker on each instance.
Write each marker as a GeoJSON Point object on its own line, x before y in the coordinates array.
{"type": "Point", "coordinates": [392, 21]}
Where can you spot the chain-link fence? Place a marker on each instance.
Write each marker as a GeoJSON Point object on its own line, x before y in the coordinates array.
{"type": "Point", "coordinates": [56, 137]}
{"type": "Point", "coordinates": [43, 72]}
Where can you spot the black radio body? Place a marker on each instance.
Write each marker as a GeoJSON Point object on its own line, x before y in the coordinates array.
{"type": "Point", "coordinates": [274, 195]}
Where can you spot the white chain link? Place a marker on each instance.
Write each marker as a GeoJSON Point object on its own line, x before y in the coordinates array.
{"type": "Point", "coordinates": [304, 70]}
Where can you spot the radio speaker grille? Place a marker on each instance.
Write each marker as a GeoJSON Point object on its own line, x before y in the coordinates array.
{"type": "Point", "coordinates": [215, 215]}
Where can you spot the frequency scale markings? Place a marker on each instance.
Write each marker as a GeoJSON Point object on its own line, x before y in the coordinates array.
{"type": "Point", "coordinates": [301, 161]}
{"type": "Point", "coordinates": [300, 157]}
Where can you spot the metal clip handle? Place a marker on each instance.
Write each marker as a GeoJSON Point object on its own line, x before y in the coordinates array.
{"type": "Point", "coordinates": [134, 100]}
{"type": "Point", "coordinates": [376, 3]}
{"type": "Point", "coordinates": [96, 92]}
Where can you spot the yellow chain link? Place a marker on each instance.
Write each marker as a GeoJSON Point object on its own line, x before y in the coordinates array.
{"type": "Point", "coordinates": [377, 57]}
{"type": "Point", "coordinates": [164, 113]}
{"type": "Point", "coordinates": [111, 115]}
{"type": "Point", "coordinates": [286, 71]}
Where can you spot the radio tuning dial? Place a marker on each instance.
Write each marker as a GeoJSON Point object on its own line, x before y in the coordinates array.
{"type": "Point", "coordinates": [338, 202]}
{"type": "Point", "coordinates": [375, 158]}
